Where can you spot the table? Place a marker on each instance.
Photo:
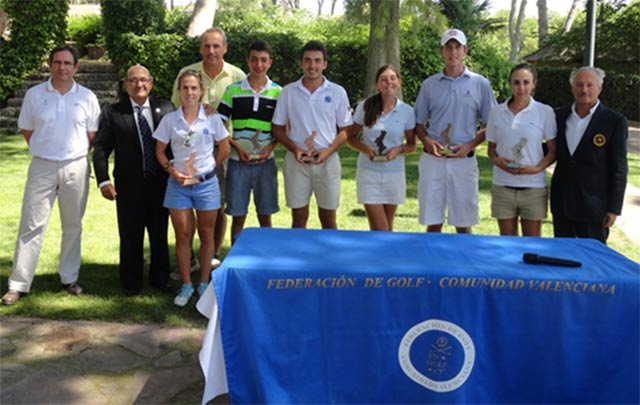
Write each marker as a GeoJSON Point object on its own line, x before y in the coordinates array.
{"type": "Point", "coordinates": [300, 316]}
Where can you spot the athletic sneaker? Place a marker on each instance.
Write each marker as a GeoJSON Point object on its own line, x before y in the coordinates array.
{"type": "Point", "coordinates": [215, 262]}
{"type": "Point", "coordinates": [184, 293]}
{"type": "Point", "coordinates": [202, 287]}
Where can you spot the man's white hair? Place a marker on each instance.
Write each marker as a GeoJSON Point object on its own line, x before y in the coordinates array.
{"type": "Point", "coordinates": [597, 71]}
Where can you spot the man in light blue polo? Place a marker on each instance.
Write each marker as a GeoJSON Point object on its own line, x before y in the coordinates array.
{"type": "Point", "coordinates": [448, 108]}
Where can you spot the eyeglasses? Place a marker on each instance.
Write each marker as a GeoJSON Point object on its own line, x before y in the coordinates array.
{"type": "Point", "coordinates": [141, 80]}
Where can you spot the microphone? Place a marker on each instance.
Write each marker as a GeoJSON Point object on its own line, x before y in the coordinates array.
{"type": "Point", "coordinates": [533, 258]}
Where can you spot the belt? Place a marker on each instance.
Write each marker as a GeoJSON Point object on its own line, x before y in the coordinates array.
{"type": "Point", "coordinates": [207, 176]}
{"type": "Point", "coordinates": [469, 155]}
{"type": "Point", "coordinates": [516, 188]}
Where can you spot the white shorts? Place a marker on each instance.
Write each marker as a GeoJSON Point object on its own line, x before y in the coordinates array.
{"type": "Point", "coordinates": [449, 184]}
{"type": "Point", "coordinates": [380, 187]}
{"type": "Point", "coordinates": [302, 179]}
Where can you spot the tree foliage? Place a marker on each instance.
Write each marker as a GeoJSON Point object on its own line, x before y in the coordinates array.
{"type": "Point", "coordinates": [29, 41]}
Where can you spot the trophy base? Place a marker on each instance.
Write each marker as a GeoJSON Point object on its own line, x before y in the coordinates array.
{"type": "Point", "coordinates": [309, 158]}
{"type": "Point", "coordinates": [380, 158]}
{"type": "Point", "coordinates": [255, 157]}
{"type": "Point", "coordinates": [514, 165]}
{"type": "Point", "coordinates": [447, 151]}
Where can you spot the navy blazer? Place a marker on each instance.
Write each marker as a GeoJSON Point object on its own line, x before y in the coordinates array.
{"type": "Point", "coordinates": [118, 130]}
{"type": "Point", "coordinates": [592, 182]}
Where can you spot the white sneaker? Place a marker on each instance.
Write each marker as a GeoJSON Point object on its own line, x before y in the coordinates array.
{"type": "Point", "coordinates": [215, 262]}
{"type": "Point", "coordinates": [184, 294]}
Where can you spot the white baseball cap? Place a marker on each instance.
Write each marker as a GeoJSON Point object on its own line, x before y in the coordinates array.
{"type": "Point", "coordinates": [453, 34]}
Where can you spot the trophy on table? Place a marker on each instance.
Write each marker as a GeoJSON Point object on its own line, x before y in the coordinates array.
{"type": "Point", "coordinates": [254, 154]}
{"type": "Point", "coordinates": [517, 154]}
{"type": "Point", "coordinates": [446, 141]}
{"type": "Point", "coordinates": [311, 154]}
{"type": "Point", "coordinates": [191, 170]}
{"type": "Point", "coordinates": [381, 156]}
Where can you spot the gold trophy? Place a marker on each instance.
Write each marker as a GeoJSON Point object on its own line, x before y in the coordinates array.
{"type": "Point", "coordinates": [191, 171]}
{"type": "Point", "coordinates": [311, 154]}
{"type": "Point", "coordinates": [254, 154]}
{"type": "Point", "coordinates": [517, 154]}
{"type": "Point", "coordinates": [446, 141]}
{"type": "Point", "coordinates": [381, 156]}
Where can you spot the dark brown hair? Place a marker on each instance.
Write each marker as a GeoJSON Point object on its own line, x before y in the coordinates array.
{"type": "Point", "coordinates": [373, 105]}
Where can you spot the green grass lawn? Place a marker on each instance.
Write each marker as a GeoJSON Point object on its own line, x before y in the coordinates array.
{"type": "Point", "coordinates": [102, 299]}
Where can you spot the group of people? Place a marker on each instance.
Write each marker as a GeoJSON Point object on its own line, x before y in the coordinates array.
{"type": "Point", "coordinates": [173, 163]}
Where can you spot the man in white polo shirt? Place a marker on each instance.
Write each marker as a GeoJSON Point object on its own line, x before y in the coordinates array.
{"type": "Point", "coordinates": [318, 114]}
{"type": "Point", "coordinates": [448, 108]}
{"type": "Point", "coordinates": [59, 120]}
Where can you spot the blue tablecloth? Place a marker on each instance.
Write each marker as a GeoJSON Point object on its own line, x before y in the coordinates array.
{"type": "Point", "coordinates": [371, 317]}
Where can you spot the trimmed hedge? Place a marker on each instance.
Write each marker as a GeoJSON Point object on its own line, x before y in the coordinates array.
{"type": "Point", "coordinates": [620, 91]}
{"type": "Point", "coordinates": [31, 39]}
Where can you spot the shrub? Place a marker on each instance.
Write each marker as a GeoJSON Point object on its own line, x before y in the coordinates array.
{"type": "Point", "coordinates": [30, 41]}
{"type": "Point", "coordinates": [84, 31]}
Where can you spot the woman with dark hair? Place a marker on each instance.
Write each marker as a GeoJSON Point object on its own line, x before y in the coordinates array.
{"type": "Point", "coordinates": [383, 132]}
{"type": "Point", "coordinates": [198, 142]}
{"type": "Point", "coordinates": [515, 132]}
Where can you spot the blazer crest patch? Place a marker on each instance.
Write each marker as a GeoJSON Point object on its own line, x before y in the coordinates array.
{"type": "Point", "coordinates": [599, 140]}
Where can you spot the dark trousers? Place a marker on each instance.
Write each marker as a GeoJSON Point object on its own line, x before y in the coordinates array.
{"type": "Point", "coordinates": [139, 205]}
{"type": "Point", "coordinates": [563, 227]}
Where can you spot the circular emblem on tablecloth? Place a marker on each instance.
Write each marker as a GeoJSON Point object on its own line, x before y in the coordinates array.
{"type": "Point", "coordinates": [438, 355]}
{"type": "Point", "coordinates": [599, 140]}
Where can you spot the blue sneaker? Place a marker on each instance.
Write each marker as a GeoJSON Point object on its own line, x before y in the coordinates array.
{"type": "Point", "coordinates": [202, 287]}
{"type": "Point", "coordinates": [184, 294]}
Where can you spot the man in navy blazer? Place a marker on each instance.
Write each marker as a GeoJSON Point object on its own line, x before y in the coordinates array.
{"type": "Point", "coordinates": [140, 183]}
{"type": "Point", "coordinates": [587, 189]}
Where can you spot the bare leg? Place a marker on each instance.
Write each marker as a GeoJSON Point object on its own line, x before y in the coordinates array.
{"type": "Point", "coordinates": [377, 217]}
{"type": "Point", "coordinates": [184, 228]}
{"type": "Point", "coordinates": [237, 225]}
{"type": "Point", "coordinates": [327, 218]}
{"type": "Point", "coordinates": [434, 228]}
{"type": "Point", "coordinates": [221, 229]}
{"type": "Point", "coordinates": [508, 226]}
{"type": "Point", "coordinates": [206, 224]}
{"type": "Point", "coordinates": [300, 216]}
{"type": "Point", "coordinates": [264, 221]}
{"type": "Point", "coordinates": [531, 228]}
{"type": "Point", "coordinates": [390, 213]}
{"type": "Point", "coordinates": [466, 229]}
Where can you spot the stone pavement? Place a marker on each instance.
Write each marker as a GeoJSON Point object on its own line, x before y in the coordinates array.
{"type": "Point", "coordinates": [87, 362]}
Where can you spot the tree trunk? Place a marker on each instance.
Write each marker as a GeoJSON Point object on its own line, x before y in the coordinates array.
{"type": "Point", "coordinates": [333, 7]}
{"type": "Point", "coordinates": [543, 22]}
{"type": "Point", "coordinates": [204, 11]}
{"type": "Point", "coordinates": [384, 40]}
{"type": "Point", "coordinates": [571, 16]}
{"type": "Point", "coordinates": [515, 26]}
{"type": "Point", "coordinates": [320, 4]}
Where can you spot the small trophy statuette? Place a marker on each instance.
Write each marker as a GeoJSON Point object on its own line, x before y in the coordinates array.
{"type": "Point", "coordinates": [190, 170]}
{"type": "Point", "coordinates": [446, 141]}
{"type": "Point", "coordinates": [381, 156]}
{"type": "Point", "coordinates": [311, 154]}
{"type": "Point", "coordinates": [517, 154]}
{"type": "Point", "coordinates": [254, 154]}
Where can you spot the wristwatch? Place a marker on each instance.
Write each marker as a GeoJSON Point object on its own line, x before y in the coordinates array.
{"type": "Point", "coordinates": [167, 165]}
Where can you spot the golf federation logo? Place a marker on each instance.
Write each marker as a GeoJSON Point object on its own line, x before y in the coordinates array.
{"type": "Point", "coordinates": [437, 354]}
{"type": "Point", "coordinates": [599, 140]}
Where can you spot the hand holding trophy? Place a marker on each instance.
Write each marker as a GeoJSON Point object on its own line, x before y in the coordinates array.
{"type": "Point", "coordinates": [189, 181]}
{"type": "Point", "coordinates": [311, 154]}
{"type": "Point", "coordinates": [446, 141]}
{"type": "Point", "coordinates": [517, 154]}
{"type": "Point", "coordinates": [381, 155]}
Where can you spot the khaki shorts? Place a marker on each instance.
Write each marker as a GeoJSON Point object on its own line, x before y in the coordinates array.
{"type": "Point", "coordinates": [303, 179]}
{"type": "Point", "coordinates": [510, 202]}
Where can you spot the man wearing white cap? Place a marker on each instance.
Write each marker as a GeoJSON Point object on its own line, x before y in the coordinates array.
{"type": "Point", "coordinates": [448, 108]}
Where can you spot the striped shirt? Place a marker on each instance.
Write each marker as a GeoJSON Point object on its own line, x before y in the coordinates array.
{"type": "Point", "coordinates": [250, 112]}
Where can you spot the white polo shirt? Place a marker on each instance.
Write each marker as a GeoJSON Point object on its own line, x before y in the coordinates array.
{"type": "Point", "coordinates": [535, 123]}
{"type": "Point", "coordinates": [197, 138]}
{"type": "Point", "coordinates": [323, 111]}
{"type": "Point", "coordinates": [59, 122]}
{"type": "Point", "coordinates": [393, 123]}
